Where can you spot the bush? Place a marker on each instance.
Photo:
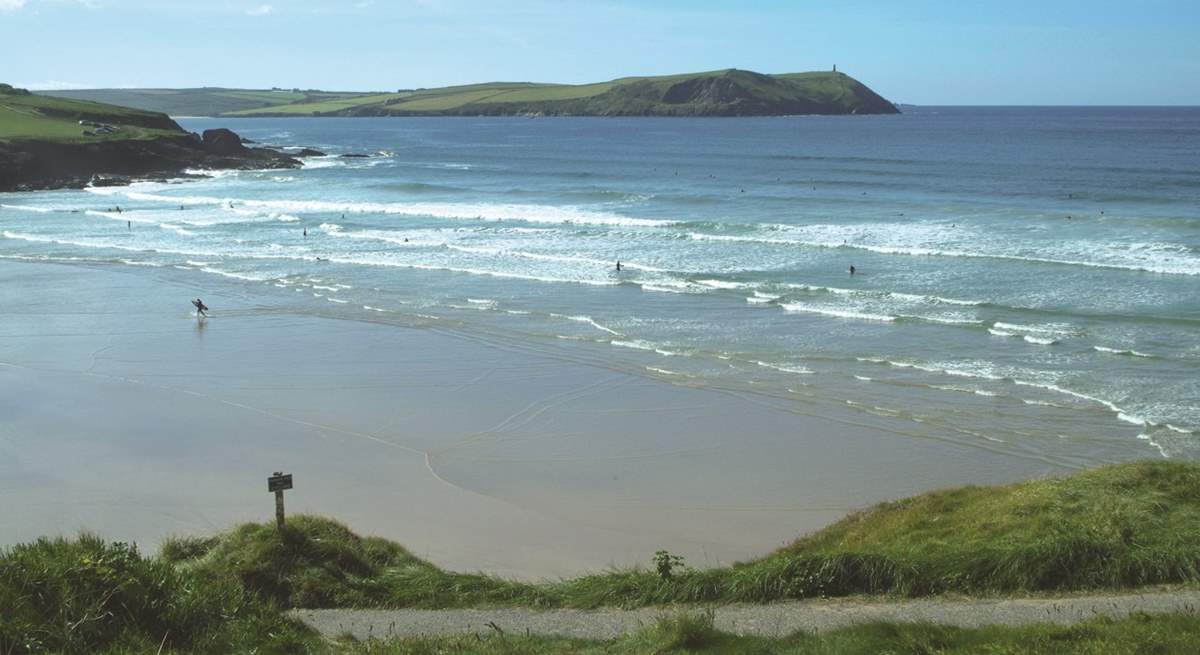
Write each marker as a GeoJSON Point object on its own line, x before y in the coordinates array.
{"type": "Point", "coordinates": [85, 594]}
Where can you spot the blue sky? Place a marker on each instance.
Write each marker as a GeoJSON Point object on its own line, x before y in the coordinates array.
{"type": "Point", "coordinates": [916, 51]}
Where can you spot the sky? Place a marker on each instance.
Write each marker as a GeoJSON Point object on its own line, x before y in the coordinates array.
{"type": "Point", "coordinates": [1018, 52]}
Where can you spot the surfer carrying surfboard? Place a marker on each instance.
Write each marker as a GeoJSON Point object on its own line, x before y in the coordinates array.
{"type": "Point", "coordinates": [200, 307]}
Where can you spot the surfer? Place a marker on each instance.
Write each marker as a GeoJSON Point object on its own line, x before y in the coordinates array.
{"type": "Point", "coordinates": [200, 307]}
{"type": "Point", "coordinates": [852, 269]}
{"type": "Point", "coordinates": [306, 232]}
{"type": "Point", "coordinates": [129, 225]}
{"type": "Point", "coordinates": [618, 266]}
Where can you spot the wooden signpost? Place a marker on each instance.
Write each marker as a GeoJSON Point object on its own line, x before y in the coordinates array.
{"type": "Point", "coordinates": [277, 483]}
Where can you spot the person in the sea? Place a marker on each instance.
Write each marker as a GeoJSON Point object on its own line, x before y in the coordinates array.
{"type": "Point", "coordinates": [852, 269]}
{"type": "Point", "coordinates": [305, 232]}
{"type": "Point", "coordinates": [129, 225]}
{"type": "Point", "coordinates": [200, 307]}
{"type": "Point", "coordinates": [618, 266]}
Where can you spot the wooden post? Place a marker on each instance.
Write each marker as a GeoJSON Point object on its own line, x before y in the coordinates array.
{"type": "Point", "coordinates": [278, 483]}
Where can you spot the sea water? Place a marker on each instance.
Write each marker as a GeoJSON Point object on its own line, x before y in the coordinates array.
{"type": "Point", "coordinates": [1026, 279]}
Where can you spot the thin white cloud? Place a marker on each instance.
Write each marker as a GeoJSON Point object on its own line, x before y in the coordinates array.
{"type": "Point", "coordinates": [261, 10]}
{"type": "Point", "coordinates": [11, 5]}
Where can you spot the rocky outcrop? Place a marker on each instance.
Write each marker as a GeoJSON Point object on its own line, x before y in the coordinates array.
{"type": "Point", "coordinates": [35, 165]}
{"type": "Point", "coordinates": [222, 142]}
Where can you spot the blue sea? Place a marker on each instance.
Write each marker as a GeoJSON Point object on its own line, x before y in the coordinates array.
{"type": "Point", "coordinates": [1027, 279]}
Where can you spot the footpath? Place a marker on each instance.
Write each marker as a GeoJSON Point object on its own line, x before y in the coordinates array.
{"type": "Point", "coordinates": [770, 620]}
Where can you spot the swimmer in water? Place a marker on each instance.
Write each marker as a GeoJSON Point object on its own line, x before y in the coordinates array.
{"type": "Point", "coordinates": [852, 269]}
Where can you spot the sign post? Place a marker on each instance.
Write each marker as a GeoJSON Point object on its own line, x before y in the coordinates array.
{"type": "Point", "coordinates": [277, 483]}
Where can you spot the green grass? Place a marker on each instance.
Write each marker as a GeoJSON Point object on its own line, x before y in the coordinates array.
{"type": "Point", "coordinates": [28, 116]}
{"type": "Point", "coordinates": [1116, 527]}
{"type": "Point", "coordinates": [86, 595]}
{"type": "Point", "coordinates": [1111, 528]}
{"type": "Point", "coordinates": [205, 101]}
{"type": "Point", "coordinates": [741, 92]}
{"type": "Point", "coordinates": [325, 106]}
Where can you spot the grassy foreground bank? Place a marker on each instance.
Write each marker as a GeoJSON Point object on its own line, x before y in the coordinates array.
{"type": "Point", "coordinates": [1115, 527]}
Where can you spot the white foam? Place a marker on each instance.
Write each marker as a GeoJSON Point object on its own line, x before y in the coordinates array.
{"type": "Point", "coordinates": [723, 284]}
{"type": "Point", "coordinates": [28, 208]}
{"type": "Point", "coordinates": [1038, 329]}
{"type": "Point", "coordinates": [760, 298]}
{"type": "Point", "coordinates": [1116, 351]}
{"type": "Point", "coordinates": [552, 214]}
{"type": "Point", "coordinates": [838, 313]}
{"type": "Point", "coordinates": [799, 370]}
{"type": "Point", "coordinates": [636, 344]}
{"type": "Point", "coordinates": [236, 276]}
{"type": "Point", "coordinates": [1041, 341]}
{"type": "Point", "coordinates": [946, 320]}
{"type": "Point", "coordinates": [590, 321]}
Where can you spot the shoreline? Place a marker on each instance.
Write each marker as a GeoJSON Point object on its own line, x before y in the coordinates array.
{"type": "Point", "coordinates": [128, 425]}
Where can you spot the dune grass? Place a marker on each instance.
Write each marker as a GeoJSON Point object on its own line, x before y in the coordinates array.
{"type": "Point", "coordinates": [86, 595]}
{"type": "Point", "coordinates": [1116, 527]}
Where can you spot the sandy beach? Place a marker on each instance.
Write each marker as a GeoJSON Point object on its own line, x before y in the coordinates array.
{"type": "Point", "coordinates": [123, 414]}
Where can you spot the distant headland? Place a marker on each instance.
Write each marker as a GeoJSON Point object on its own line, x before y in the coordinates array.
{"type": "Point", "coordinates": [730, 92]}
{"type": "Point", "coordinates": [57, 143]}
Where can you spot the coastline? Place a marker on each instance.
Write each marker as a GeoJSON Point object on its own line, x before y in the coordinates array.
{"type": "Point", "coordinates": [122, 420]}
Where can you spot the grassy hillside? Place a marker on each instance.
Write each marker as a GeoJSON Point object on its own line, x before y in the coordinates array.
{"type": "Point", "coordinates": [1114, 527]}
{"type": "Point", "coordinates": [27, 116]}
{"type": "Point", "coordinates": [717, 93]}
{"type": "Point", "coordinates": [206, 101]}
{"type": "Point", "coordinates": [728, 92]}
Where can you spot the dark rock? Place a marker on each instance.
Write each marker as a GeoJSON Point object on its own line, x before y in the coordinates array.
{"type": "Point", "coordinates": [37, 165]}
{"type": "Point", "coordinates": [354, 155]}
{"type": "Point", "coordinates": [307, 152]}
{"type": "Point", "coordinates": [221, 141]}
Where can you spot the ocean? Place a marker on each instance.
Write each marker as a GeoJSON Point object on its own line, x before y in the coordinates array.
{"type": "Point", "coordinates": [1027, 280]}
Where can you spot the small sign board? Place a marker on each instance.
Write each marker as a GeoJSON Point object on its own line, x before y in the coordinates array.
{"type": "Point", "coordinates": [279, 482]}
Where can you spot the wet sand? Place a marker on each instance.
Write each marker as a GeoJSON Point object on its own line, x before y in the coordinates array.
{"type": "Point", "coordinates": [123, 414]}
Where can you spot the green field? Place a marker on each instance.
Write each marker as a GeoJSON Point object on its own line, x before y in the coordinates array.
{"type": "Point", "coordinates": [1116, 527]}
{"type": "Point", "coordinates": [712, 93]}
{"type": "Point", "coordinates": [328, 106]}
{"type": "Point", "coordinates": [28, 116]}
{"type": "Point", "coordinates": [205, 101]}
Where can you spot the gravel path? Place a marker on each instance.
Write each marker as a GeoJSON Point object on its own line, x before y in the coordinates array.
{"type": "Point", "coordinates": [772, 620]}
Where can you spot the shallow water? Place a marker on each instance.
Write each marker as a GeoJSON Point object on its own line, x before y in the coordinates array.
{"type": "Point", "coordinates": [1027, 278]}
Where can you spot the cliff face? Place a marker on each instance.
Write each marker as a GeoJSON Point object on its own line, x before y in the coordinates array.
{"type": "Point", "coordinates": [33, 165]}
